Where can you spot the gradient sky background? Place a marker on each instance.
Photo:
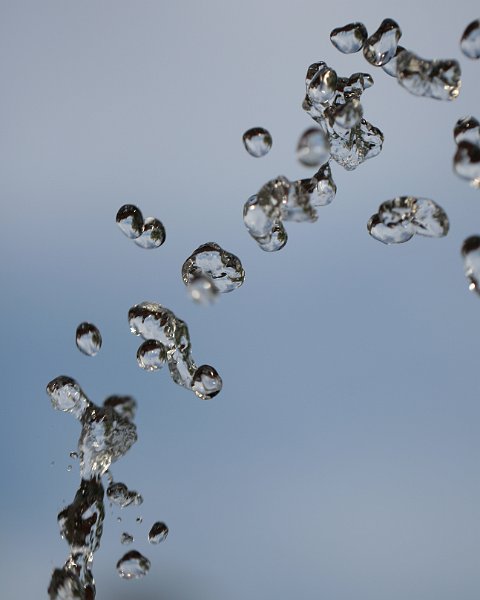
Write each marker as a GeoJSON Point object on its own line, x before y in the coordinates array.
{"type": "Point", "coordinates": [341, 459]}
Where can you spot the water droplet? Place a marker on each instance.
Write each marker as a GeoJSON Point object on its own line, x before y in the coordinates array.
{"type": "Point", "coordinates": [133, 565]}
{"type": "Point", "coordinates": [323, 188]}
{"type": "Point", "coordinates": [119, 519]}
{"type": "Point", "coordinates": [470, 42]}
{"type": "Point", "coordinates": [153, 234]}
{"type": "Point", "coordinates": [66, 395]}
{"type": "Point", "coordinates": [467, 129]}
{"type": "Point", "coordinates": [312, 70]}
{"type": "Point", "coordinates": [119, 494]}
{"type": "Point", "coordinates": [151, 355]}
{"type": "Point", "coordinates": [126, 538]}
{"type": "Point", "coordinates": [349, 38]}
{"type": "Point", "coordinates": [257, 141]}
{"type": "Point", "coordinates": [439, 79]}
{"type": "Point", "coordinates": [130, 221]}
{"type": "Point", "coordinates": [429, 219]}
{"type": "Point", "coordinates": [471, 257]}
{"type": "Point", "coordinates": [125, 406]}
{"type": "Point", "coordinates": [380, 47]}
{"type": "Point", "coordinates": [158, 533]}
{"type": "Point", "coordinates": [313, 148]}
{"type": "Point", "coordinates": [74, 455]}
{"type": "Point", "coordinates": [139, 519]}
{"type": "Point", "coordinates": [201, 289]}
{"type": "Point", "coordinates": [322, 86]}
{"type": "Point", "coordinates": [466, 162]}
{"type": "Point", "coordinates": [391, 67]}
{"type": "Point", "coordinates": [88, 338]}
{"type": "Point", "coordinates": [276, 239]}
{"type": "Point", "coordinates": [206, 383]}
{"type": "Point", "coordinates": [222, 267]}
{"type": "Point", "coordinates": [348, 115]}
{"type": "Point", "coordinates": [152, 321]}
{"type": "Point", "coordinates": [69, 468]}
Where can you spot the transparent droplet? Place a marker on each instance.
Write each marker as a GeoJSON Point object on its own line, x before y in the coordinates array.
{"type": "Point", "coordinates": [389, 234]}
{"type": "Point", "coordinates": [151, 355]}
{"type": "Point", "coordinates": [467, 129]}
{"type": "Point", "coordinates": [257, 217]}
{"type": "Point", "coordinates": [380, 47]}
{"type": "Point", "coordinates": [126, 538]}
{"type": "Point", "coordinates": [69, 468]}
{"type": "Point", "coordinates": [352, 148]}
{"type": "Point", "coordinates": [222, 267]}
{"type": "Point", "coordinates": [297, 205]}
{"type": "Point", "coordinates": [125, 406]}
{"type": "Point", "coordinates": [74, 455]}
{"type": "Point", "coordinates": [130, 221]}
{"type": "Point", "coordinates": [323, 188]}
{"type": "Point", "coordinates": [349, 38]}
{"type": "Point", "coordinates": [323, 85]}
{"type": "Point", "coordinates": [152, 321]}
{"type": "Point", "coordinates": [470, 42]}
{"type": "Point", "coordinates": [202, 290]}
{"type": "Point", "coordinates": [391, 67]}
{"type": "Point", "coordinates": [313, 148]}
{"type": "Point", "coordinates": [153, 234]}
{"type": "Point", "coordinates": [66, 395]}
{"type": "Point", "coordinates": [158, 533]}
{"type": "Point", "coordinates": [119, 494]}
{"type": "Point", "coordinates": [429, 219]}
{"type": "Point", "coordinates": [312, 70]}
{"type": "Point", "coordinates": [139, 519]}
{"type": "Point", "coordinates": [133, 565]}
{"type": "Point", "coordinates": [348, 115]}
{"type": "Point", "coordinates": [206, 383]}
{"type": "Point", "coordinates": [471, 257]}
{"type": "Point", "coordinates": [466, 162]}
{"type": "Point", "coordinates": [257, 141]}
{"type": "Point", "coordinates": [439, 79]}
{"type": "Point", "coordinates": [119, 519]}
{"type": "Point", "coordinates": [88, 339]}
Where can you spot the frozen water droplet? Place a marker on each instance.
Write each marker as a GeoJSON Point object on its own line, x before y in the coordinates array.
{"type": "Point", "coordinates": [139, 519]}
{"type": "Point", "coordinates": [151, 355]}
{"type": "Point", "coordinates": [119, 494]}
{"type": "Point", "coordinates": [133, 565]}
{"type": "Point", "coordinates": [257, 141]}
{"type": "Point", "coordinates": [88, 338]}
{"type": "Point", "coordinates": [470, 42]}
{"type": "Point", "coordinates": [466, 162]}
{"type": "Point", "coordinates": [222, 267]}
{"type": "Point", "coordinates": [467, 129]}
{"type": "Point", "coordinates": [66, 395]}
{"type": "Point", "coordinates": [158, 533]}
{"type": "Point", "coordinates": [313, 148]}
{"type": "Point", "coordinates": [391, 67]}
{"type": "Point", "coordinates": [201, 289]}
{"type": "Point", "coordinates": [126, 538]}
{"type": "Point", "coordinates": [125, 406]}
{"type": "Point", "coordinates": [471, 258]}
{"type": "Point", "coordinates": [130, 221]}
{"type": "Point", "coordinates": [439, 79]}
{"type": "Point", "coordinates": [349, 38]}
{"type": "Point", "coordinates": [322, 85]}
{"type": "Point", "coordinates": [153, 234]}
{"type": "Point", "coordinates": [382, 45]}
{"type": "Point", "coordinates": [69, 468]}
{"type": "Point", "coordinates": [206, 383]}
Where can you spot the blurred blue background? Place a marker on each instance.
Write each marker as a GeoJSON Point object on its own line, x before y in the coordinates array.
{"type": "Point", "coordinates": [341, 459]}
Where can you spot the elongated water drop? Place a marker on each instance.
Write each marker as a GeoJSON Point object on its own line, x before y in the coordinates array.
{"type": "Point", "coordinates": [470, 42]}
{"type": "Point", "coordinates": [151, 355]}
{"type": "Point", "coordinates": [349, 38]}
{"type": "Point", "coordinates": [158, 533]}
{"type": "Point", "coordinates": [88, 339]}
{"type": "Point", "coordinates": [130, 220]}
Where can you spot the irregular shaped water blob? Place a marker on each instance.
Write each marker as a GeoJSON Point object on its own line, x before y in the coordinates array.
{"type": "Point", "coordinates": [201, 289]}
{"type": "Point", "coordinates": [130, 220]}
{"type": "Point", "coordinates": [257, 141]}
{"type": "Point", "coordinates": [398, 220]}
{"type": "Point", "coordinates": [153, 234]}
{"type": "Point", "coordinates": [158, 533]}
{"type": "Point", "coordinates": [391, 67]}
{"type": "Point", "coordinates": [151, 355]}
{"type": "Point", "coordinates": [350, 38]}
{"type": "Point", "coordinates": [119, 494]}
{"type": "Point", "coordinates": [471, 258]}
{"type": "Point", "coordinates": [439, 79]}
{"type": "Point", "coordinates": [313, 148]}
{"type": "Point", "coordinates": [133, 565]}
{"type": "Point", "coordinates": [322, 187]}
{"type": "Point", "coordinates": [380, 47]}
{"type": "Point", "coordinates": [153, 321]}
{"type": "Point", "coordinates": [321, 83]}
{"type": "Point", "coordinates": [126, 538]}
{"type": "Point", "coordinates": [125, 406]}
{"type": "Point", "coordinates": [221, 267]}
{"type": "Point", "coordinates": [470, 42]}
{"type": "Point", "coordinates": [88, 339]}
{"type": "Point", "coordinates": [206, 383]}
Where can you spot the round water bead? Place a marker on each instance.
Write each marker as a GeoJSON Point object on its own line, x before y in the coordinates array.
{"type": "Point", "coordinates": [126, 538]}
{"type": "Point", "coordinates": [153, 234]}
{"type": "Point", "coordinates": [66, 395]}
{"type": "Point", "coordinates": [158, 533]}
{"type": "Point", "coordinates": [201, 289]}
{"type": "Point", "coordinates": [323, 85]}
{"type": "Point", "coordinates": [88, 339]}
{"type": "Point", "coordinates": [130, 220]}
{"type": "Point", "coordinates": [206, 382]}
{"type": "Point", "coordinates": [470, 42]}
{"type": "Point", "coordinates": [275, 240]}
{"type": "Point", "coordinates": [133, 565]}
{"type": "Point", "coordinates": [222, 267]}
{"type": "Point", "coordinates": [313, 148]}
{"type": "Point", "coordinates": [349, 38]}
{"type": "Point", "coordinates": [257, 141]}
{"type": "Point", "coordinates": [151, 355]}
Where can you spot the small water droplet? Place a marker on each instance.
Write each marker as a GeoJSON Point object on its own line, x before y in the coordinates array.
{"type": "Point", "coordinates": [133, 565]}
{"type": "Point", "coordinates": [74, 455]}
{"type": "Point", "coordinates": [313, 148]}
{"type": "Point", "coordinates": [206, 382]}
{"type": "Point", "coordinates": [139, 519]}
{"type": "Point", "coordinates": [470, 42]}
{"type": "Point", "coordinates": [349, 38]}
{"type": "Point", "coordinates": [471, 258]}
{"type": "Point", "coordinates": [380, 47]}
{"type": "Point", "coordinates": [130, 220]}
{"type": "Point", "coordinates": [322, 85]}
{"type": "Point", "coordinates": [158, 533]}
{"type": "Point", "coordinates": [222, 267]}
{"type": "Point", "coordinates": [151, 355]}
{"type": "Point", "coordinates": [119, 519]}
{"type": "Point", "coordinates": [257, 141]}
{"type": "Point", "coordinates": [126, 538]}
{"type": "Point", "coordinates": [88, 339]}
{"type": "Point", "coordinates": [69, 468]}
{"type": "Point", "coordinates": [153, 234]}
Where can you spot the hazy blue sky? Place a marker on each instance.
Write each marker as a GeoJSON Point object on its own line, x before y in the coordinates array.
{"type": "Point", "coordinates": [341, 460]}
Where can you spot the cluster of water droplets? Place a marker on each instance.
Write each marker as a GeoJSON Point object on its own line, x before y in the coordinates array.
{"type": "Point", "coordinates": [398, 220]}
{"type": "Point", "coordinates": [154, 322]}
{"type": "Point", "coordinates": [147, 233]}
{"type": "Point", "coordinates": [466, 162]}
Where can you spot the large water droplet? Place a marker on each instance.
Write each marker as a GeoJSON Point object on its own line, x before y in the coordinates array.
{"type": "Point", "coordinates": [206, 383]}
{"type": "Point", "coordinates": [133, 565]}
{"type": "Point", "coordinates": [130, 220]}
{"type": "Point", "coordinates": [439, 79]}
{"type": "Point", "coordinates": [391, 67]}
{"type": "Point", "coordinates": [151, 355]}
{"type": "Point", "coordinates": [257, 141]}
{"type": "Point", "coordinates": [153, 234]}
{"type": "Point", "coordinates": [158, 533]}
{"type": "Point", "coordinates": [322, 86]}
{"type": "Point", "coordinates": [470, 42]}
{"type": "Point", "coordinates": [222, 267]}
{"type": "Point", "coordinates": [349, 38]}
{"type": "Point", "coordinates": [88, 339]}
{"type": "Point", "coordinates": [313, 148]}
{"type": "Point", "coordinates": [380, 47]}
